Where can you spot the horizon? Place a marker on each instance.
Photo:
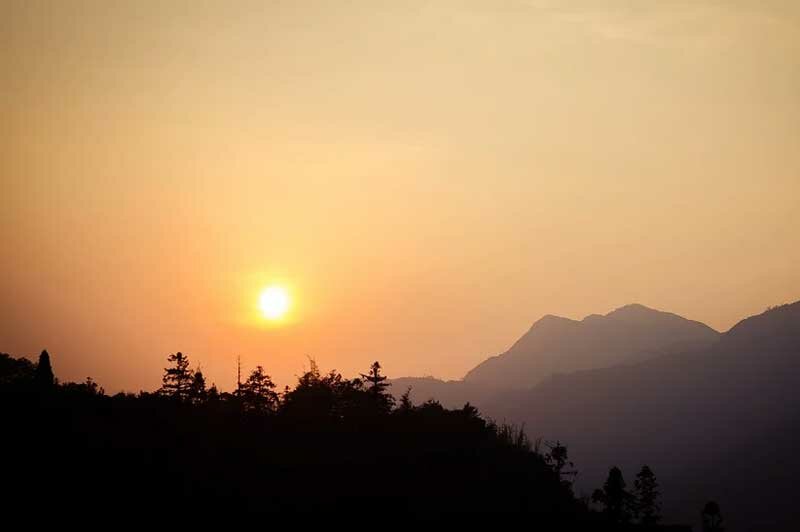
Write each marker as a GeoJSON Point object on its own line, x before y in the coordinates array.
{"type": "Point", "coordinates": [418, 182]}
{"type": "Point", "coordinates": [311, 360]}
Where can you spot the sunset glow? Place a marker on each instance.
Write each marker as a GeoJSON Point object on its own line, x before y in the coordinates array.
{"type": "Point", "coordinates": [421, 180]}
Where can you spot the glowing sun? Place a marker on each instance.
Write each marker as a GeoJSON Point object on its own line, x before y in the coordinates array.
{"type": "Point", "coordinates": [274, 302]}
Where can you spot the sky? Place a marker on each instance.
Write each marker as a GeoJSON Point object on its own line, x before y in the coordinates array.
{"type": "Point", "coordinates": [427, 179]}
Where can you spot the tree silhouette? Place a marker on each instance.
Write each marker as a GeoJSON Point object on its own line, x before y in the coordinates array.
{"type": "Point", "coordinates": [197, 389]}
{"type": "Point", "coordinates": [92, 387]}
{"type": "Point", "coordinates": [712, 517]}
{"type": "Point", "coordinates": [558, 459]}
{"type": "Point", "coordinates": [406, 405]}
{"type": "Point", "coordinates": [258, 392]}
{"type": "Point", "coordinates": [177, 380]}
{"type": "Point", "coordinates": [213, 394]}
{"type": "Point", "coordinates": [614, 498]}
{"type": "Point", "coordinates": [378, 387]}
{"type": "Point", "coordinates": [44, 371]}
{"type": "Point", "coordinates": [375, 378]}
{"type": "Point", "coordinates": [647, 508]}
{"type": "Point", "coordinates": [16, 370]}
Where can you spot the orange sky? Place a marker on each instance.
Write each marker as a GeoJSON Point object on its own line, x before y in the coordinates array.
{"type": "Point", "coordinates": [428, 178]}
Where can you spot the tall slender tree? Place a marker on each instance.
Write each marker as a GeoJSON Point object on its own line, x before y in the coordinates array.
{"type": "Point", "coordinates": [197, 390]}
{"type": "Point", "coordinates": [558, 458]}
{"type": "Point", "coordinates": [406, 405]}
{"type": "Point", "coordinates": [375, 378]}
{"type": "Point", "coordinates": [213, 395]}
{"type": "Point", "coordinates": [615, 499]}
{"type": "Point", "coordinates": [378, 387]}
{"type": "Point", "coordinates": [712, 517]}
{"type": "Point", "coordinates": [645, 488]}
{"type": "Point", "coordinates": [177, 379]}
{"type": "Point", "coordinates": [44, 371]}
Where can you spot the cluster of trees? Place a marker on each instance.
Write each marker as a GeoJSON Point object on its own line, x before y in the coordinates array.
{"type": "Point", "coordinates": [623, 506]}
{"type": "Point", "coordinates": [257, 393]}
{"type": "Point", "coordinates": [328, 444]}
{"type": "Point", "coordinates": [182, 383]}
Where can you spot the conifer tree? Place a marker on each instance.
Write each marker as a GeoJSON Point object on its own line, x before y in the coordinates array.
{"type": "Point", "coordinates": [258, 392]}
{"type": "Point", "coordinates": [712, 517]}
{"type": "Point", "coordinates": [648, 509]}
{"type": "Point", "coordinates": [177, 380]}
{"type": "Point", "coordinates": [406, 405]}
{"type": "Point", "coordinates": [378, 387]}
{"type": "Point", "coordinates": [197, 390]}
{"type": "Point", "coordinates": [376, 379]}
{"type": "Point", "coordinates": [44, 371]}
{"type": "Point", "coordinates": [558, 459]}
{"type": "Point", "coordinates": [614, 498]}
{"type": "Point", "coordinates": [213, 394]}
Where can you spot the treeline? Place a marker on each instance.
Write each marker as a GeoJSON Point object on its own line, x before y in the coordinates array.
{"type": "Point", "coordinates": [330, 444]}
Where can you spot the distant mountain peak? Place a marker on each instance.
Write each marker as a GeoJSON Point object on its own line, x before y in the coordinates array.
{"type": "Point", "coordinates": [555, 344]}
{"type": "Point", "coordinates": [633, 309]}
{"type": "Point", "coordinates": [548, 324]}
{"type": "Point", "coordinates": [551, 318]}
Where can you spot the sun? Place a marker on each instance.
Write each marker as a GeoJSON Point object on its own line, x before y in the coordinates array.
{"type": "Point", "coordinates": [274, 302]}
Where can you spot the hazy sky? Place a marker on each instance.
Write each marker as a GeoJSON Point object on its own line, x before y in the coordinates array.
{"type": "Point", "coordinates": [428, 178]}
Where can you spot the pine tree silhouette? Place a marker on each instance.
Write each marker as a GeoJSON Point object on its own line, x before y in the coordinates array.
{"type": "Point", "coordinates": [558, 459]}
{"type": "Point", "coordinates": [197, 390]}
{"type": "Point", "coordinates": [44, 371]}
{"type": "Point", "coordinates": [258, 391]}
{"type": "Point", "coordinates": [614, 498]}
{"type": "Point", "coordinates": [376, 379]}
{"type": "Point", "coordinates": [378, 387]}
{"type": "Point", "coordinates": [406, 405]}
{"type": "Point", "coordinates": [213, 394]}
{"type": "Point", "coordinates": [648, 509]}
{"type": "Point", "coordinates": [712, 517]}
{"type": "Point", "coordinates": [177, 380]}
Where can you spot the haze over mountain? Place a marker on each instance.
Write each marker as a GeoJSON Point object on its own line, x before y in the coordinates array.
{"type": "Point", "coordinates": [559, 345]}
{"type": "Point", "coordinates": [556, 345]}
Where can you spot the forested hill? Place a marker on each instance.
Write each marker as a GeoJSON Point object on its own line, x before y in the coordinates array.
{"type": "Point", "coordinates": [331, 446]}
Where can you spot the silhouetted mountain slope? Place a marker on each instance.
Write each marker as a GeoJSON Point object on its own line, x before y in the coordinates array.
{"type": "Point", "coordinates": [719, 423]}
{"type": "Point", "coordinates": [775, 329]}
{"type": "Point", "coordinates": [559, 345]}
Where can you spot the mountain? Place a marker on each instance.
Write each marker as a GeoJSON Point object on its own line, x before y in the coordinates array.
{"type": "Point", "coordinates": [715, 423]}
{"type": "Point", "coordinates": [559, 345]}
{"type": "Point", "coordinates": [556, 345]}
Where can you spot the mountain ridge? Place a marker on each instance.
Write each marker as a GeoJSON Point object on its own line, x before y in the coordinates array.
{"type": "Point", "coordinates": [555, 344]}
{"type": "Point", "coordinates": [597, 341]}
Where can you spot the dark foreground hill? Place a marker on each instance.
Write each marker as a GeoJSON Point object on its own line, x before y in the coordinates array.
{"type": "Point", "coordinates": [330, 447]}
{"type": "Point", "coordinates": [332, 450]}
